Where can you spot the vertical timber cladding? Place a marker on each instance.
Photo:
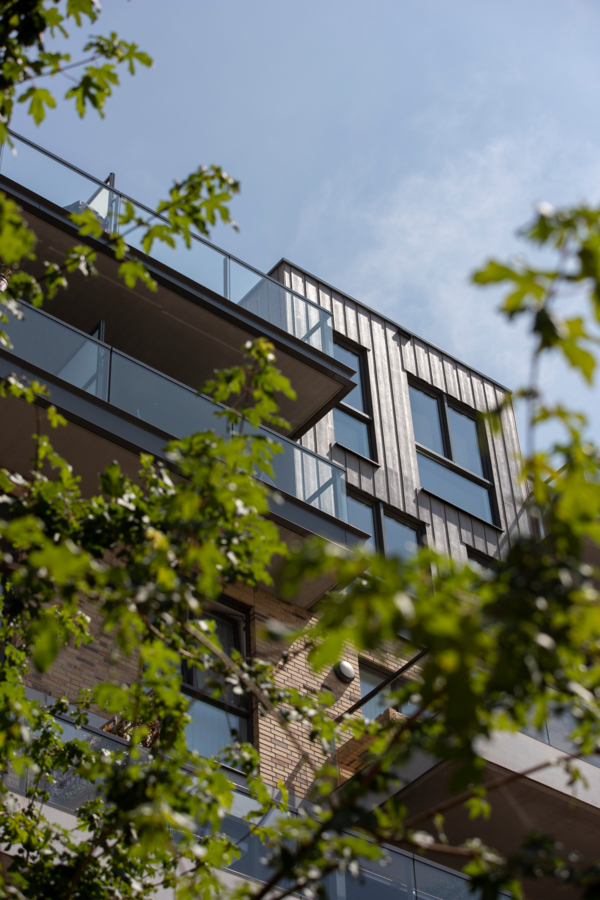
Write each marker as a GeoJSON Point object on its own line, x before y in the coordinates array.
{"type": "Point", "coordinates": [392, 354]}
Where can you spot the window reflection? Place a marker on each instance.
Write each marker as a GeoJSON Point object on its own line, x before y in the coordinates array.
{"type": "Point", "coordinates": [369, 680]}
{"type": "Point", "coordinates": [361, 516]}
{"type": "Point", "coordinates": [400, 540]}
{"type": "Point", "coordinates": [352, 360]}
{"type": "Point", "coordinates": [351, 433]}
{"type": "Point", "coordinates": [452, 487]}
{"type": "Point", "coordinates": [465, 443]}
{"type": "Point", "coordinates": [426, 420]}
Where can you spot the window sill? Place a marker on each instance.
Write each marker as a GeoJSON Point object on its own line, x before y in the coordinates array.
{"type": "Point", "coordinates": [367, 459]}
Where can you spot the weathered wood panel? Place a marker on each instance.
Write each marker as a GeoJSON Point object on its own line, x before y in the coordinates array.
{"type": "Point", "coordinates": [393, 354]}
{"type": "Point", "coordinates": [422, 357]}
{"type": "Point", "coordinates": [408, 354]}
{"type": "Point", "coordinates": [451, 378]}
{"type": "Point", "coordinates": [366, 340]}
{"type": "Point", "coordinates": [437, 370]}
{"type": "Point", "coordinates": [388, 419]}
{"type": "Point", "coordinates": [409, 472]}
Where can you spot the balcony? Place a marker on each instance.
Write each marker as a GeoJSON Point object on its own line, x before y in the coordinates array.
{"type": "Point", "coordinates": [405, 877]}
{"type": "Point", "coordinates": [208, 303]}
{"type": "Point", "coordinates": [170, 408]}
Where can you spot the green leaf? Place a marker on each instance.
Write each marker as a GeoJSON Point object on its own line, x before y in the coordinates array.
{"type": "Point", "coordinates": [45, 635]}
{"type": "Point", "coordinates": [40, 98]}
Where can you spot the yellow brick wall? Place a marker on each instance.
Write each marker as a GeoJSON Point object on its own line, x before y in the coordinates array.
{"type": "Point", "coordinates": [83, 667]}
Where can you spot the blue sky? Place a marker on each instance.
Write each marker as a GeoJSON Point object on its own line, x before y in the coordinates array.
{"type": "Point", "coordinates": [389, 147]}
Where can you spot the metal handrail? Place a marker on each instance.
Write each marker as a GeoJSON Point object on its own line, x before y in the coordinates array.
{"type": "Point", "coordinates": [89, 337]}
{"type": "Point", "coordinates": [154, 213]}
{"type": "Point", "coordinates": [377, 690]}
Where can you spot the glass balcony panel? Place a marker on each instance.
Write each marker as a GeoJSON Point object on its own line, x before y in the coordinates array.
{"type": "Point", "coordinates": [69, 791]}
{"type": "Point", "coordinates": [212, 729]}
{"type": "Point", "coordinates": [173, 408]}
{"type": "Point", "coordinates": [58, 183]}
{"type": "Point", "coordinates": [159, 401]}
{"type": "Point", "coordinates": [390, 882]}
{"type": "Point", "coordinates": [454, 488]}
{"type": "Point", "coordinates": [310, 478]}
{"type": "Point", "coordinates": [61, 351]}
{"type": "Point", "coordinates": [288, 311]}
{"type": "Point", "coordinates": [202, 263]}
{"type": "Point", "coordinates": [436, 884]}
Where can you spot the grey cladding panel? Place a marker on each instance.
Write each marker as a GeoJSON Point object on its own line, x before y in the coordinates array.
{"type": "Point", "coordinates": [339, 319]}
{"type": "Point", "coordinates": [364, 331]}
{"type": "Point", "coordinates": [422, 357]}
{"type": "Point", "coordinates": [351, 322]}
{"type": "Point", "coordinates": [391, 356]}
{"type": "Point", "coordinates": [406, 441]}
{"type": "Point", "coordinates": [437, 369]}
{"type": "Point", "coordinates": [388, 420]}
{"type": "Point", "coordinates": [451, 378]}
{"type": "Point", "coordinates": [408, 354]}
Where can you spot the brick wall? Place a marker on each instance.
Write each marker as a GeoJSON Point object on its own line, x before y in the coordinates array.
{"type": "Point", "coordinates": [82, 667]}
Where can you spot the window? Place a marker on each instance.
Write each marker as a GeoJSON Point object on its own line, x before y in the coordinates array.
{"type": "Point", "coordinates": [352, 419]}
{"type": "Point", "coordinates": [449, 453]}
{"type": "Point", "coordinates": [370, 678]}
{"type": "Point", "coordinates": [400, 539]}
{"type": "Point", "coordinates": [215, 720]}
{"type": "Point", "coordinates": [481, 563]}
{"type": "Point", "coordinates": [388, 534]}
{"type": "Point", "coordinates": [351, 432]}
{"type": "Point", "coordinates": [362, 515]}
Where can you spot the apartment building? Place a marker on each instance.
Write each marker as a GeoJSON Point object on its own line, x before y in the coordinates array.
{"type": "Point", "coordinates": [385, 448]}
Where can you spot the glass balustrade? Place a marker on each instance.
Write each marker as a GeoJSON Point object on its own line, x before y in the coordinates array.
{"type": "Point", "coordinates": [403, 877]}
{"type": "Point", "coordinates": [74, 191]}
{"type": "Point", "coordinates": [60, 350]}
{"type": "Point", "coordinates": [159, 401]}
{"type": "Point", "coordinates": [69, 791]}
{"type": "Point", "coordinates": [285, 309]}
{"type": "Point", "coordinates": [201, 262]}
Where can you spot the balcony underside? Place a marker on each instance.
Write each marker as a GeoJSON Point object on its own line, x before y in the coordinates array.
{"type": "Point", "coordinates": [540, 803]}
{"type": "Point", "coordinates": [98, 433]}
{"type": "Point", "coordinates": [182, 329]}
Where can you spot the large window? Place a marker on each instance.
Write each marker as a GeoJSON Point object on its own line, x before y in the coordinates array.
{"type": "Point", "coordinates": [451, 453]}
{"type": "Point", "coordinates": [352, 422]}
{"type": "Point", "coordinates": [371, 678]}
{"type": "Point", "coordinates": [388, 534]}
{"type": "Point", "coordinates": [216, 722]}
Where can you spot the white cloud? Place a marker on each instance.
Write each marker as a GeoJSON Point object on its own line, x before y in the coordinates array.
{"type": "Point", "coordinates": [410, 254]}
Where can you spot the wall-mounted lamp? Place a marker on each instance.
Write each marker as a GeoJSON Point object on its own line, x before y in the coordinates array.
{"type": "Point", "coordinates": [344, 671]}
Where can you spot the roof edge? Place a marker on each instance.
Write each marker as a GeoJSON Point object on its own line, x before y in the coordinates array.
{"type": "Point", "coordinates": [397, 325]}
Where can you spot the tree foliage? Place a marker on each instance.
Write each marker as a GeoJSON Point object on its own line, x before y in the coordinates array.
{"type": "Point", "coordinates": [149, 556]}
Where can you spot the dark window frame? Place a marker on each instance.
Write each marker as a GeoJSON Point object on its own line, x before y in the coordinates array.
{"type": "Point", "coordinates": [381, 672]}
{"type": "Point", "coordinates": [443, 404]}
{"type": "Point", "coordinates": [366, 416]}
{"type": "Point", "coordinates": [482, 559]}
{"type": "Point", "coordinates": [380, 510]}
{"type": "Point", "coordinates": [237, 610]}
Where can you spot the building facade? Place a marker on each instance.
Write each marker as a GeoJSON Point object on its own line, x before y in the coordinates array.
{"type": "Point", "coordinates": [386, 448]}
